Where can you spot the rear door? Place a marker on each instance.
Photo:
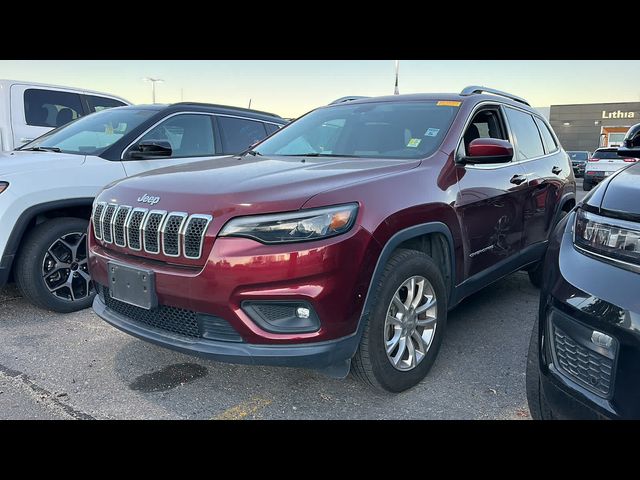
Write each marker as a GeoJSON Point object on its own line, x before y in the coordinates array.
{"type": "Point", "coordinates": [547, 168]}
{"type": "Point", "coordinates": [237, 133]}
{"type": "Point", "coordinates": [36, 110]}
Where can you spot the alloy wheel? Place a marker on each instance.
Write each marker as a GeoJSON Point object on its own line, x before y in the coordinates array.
{"type": "Point", "coordinates": [64, 267]}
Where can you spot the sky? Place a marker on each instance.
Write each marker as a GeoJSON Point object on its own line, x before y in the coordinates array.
{"type": "Point", "coordinates": [293, 87]}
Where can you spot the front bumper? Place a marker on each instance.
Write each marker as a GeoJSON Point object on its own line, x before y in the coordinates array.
{"type": "Point", "coordinates": [600, 297]}
{"type": "Point", "coordinates": [318, 355]}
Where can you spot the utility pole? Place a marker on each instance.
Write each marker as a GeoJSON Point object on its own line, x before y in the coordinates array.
{"type": "Point", "coordinates": [249, 103]}
{"type": "Point", "coordinates": [153, 86]}
{"type": "Point", "coordinates": [396, 91]}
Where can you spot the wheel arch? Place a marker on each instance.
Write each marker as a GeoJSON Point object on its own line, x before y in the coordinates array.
{"type": "Point", "coordinates": [34, 215]}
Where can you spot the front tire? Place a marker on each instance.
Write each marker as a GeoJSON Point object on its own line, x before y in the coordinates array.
{"type": "Point", "coordinates": [538, 406]}
{"type": "Point", "coordinates": [404, 331]}
{"type": "Point", "coordinates": [51, 268]}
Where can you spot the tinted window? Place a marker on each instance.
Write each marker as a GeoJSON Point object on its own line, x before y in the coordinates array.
{"type": "Point", "coordinates": [93, 134]}
{"type": "Point", "coordinates": [238, 134]}
{"type": "Point", "coordinates": [578, 155]}
{"type": "Point", "coordinates": [382, 130]}
{"type": "Point", "coordinates": [549, 143]}
{"type": "Point", "coordinates": [189, 135]}
{"type": "Point", "coordinates": [101, 103]}
{"type": "Point", "coordinates": [526, 134]}
{"type": "Point", "coordinates": [271, 128]}
{"type": "Point", "coordinates": [610, 155]}
{"type": "Point", "coordinates": [49, 108]}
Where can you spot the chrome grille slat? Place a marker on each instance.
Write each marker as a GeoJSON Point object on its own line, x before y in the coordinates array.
{"type": "Point", "coordinates": [133, 228]}
{"type": "Point", "coordinates": [151, 231]}
{"type": "Point", "coordinates": [97, 218]}
{"type": "Point", "coordinates": [174, 234]}
{"type": "Point", "coordinates": [119, 221]}
{"type": "Point", "coordinates": [193, 235]}
{"type": "Point", "coordinates": [171, 233]}
{"type": "Point", "coordinates": [107, 218]}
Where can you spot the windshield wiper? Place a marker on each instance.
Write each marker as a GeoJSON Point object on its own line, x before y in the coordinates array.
{"type": "Point", "coordinates": [43, 149]}
{"type": "Point", "coordinates": [317, 154]}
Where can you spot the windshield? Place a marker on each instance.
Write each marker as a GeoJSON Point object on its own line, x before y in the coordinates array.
{"type": "Point", "coordinates": [380, 130]}
{"type": "Point", "coordinates": [578, 155]}
{"type": "Point", "coordinates": [607, 155]}
{"type": "Point", "coordinates": [93, 134]}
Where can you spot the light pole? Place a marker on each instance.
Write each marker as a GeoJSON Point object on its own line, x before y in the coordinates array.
{"type": "Point", "coordinates": [153, 86]}
{"type": "Point", "coordinates": [396, 91]}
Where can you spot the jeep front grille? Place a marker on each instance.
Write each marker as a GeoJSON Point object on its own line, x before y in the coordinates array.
{"type": "Point", "coordinates": [154, 231]}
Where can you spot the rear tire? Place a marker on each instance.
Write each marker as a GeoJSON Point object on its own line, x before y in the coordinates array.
{"type": "Point", "coordinates": [38, 271]}
{"type": "Point", "coordinates": [538, 406]}
{"type": "Point", "coordinates": [373, 362]}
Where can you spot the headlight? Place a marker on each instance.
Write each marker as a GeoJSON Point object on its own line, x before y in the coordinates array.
{"type": "Point", "coordinates": [3, 186]}
{"type": "Point", "coordinates": [615, 239]}
{"type": "Point", "coordinates": [294, 227]}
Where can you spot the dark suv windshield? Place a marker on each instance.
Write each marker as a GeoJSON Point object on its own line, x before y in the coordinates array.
{"type": "Point", "coordinates": [380, 130]}
{"type": "Point", "coordinates": [93, 134]}
{"type": "Point", "coordinates": [578, 155]}
{"type": "Point", "coordinates": [607, 154]}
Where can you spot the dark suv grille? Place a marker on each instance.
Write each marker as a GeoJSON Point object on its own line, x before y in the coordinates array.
{"type": "Point", "coordinates": [173, 233]}
{"type": "Point", "coordinates": [172, 319]}
{"type": "Point", "coordinates": [586, 367]}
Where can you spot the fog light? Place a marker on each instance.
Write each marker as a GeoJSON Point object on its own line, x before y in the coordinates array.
{"type": "Point", "coordinates": [282, 316]}
{"type": "Point", "coordinates": [601, 339]}
{"type": "Point", "coordinates": [302, 312]}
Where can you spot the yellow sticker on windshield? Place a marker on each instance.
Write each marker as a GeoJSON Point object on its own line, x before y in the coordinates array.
{"type": "Point", "coordinates": [448, 103]}
{"type": "Point", "coordinates": [414, 142]}
{"type": "Point", "coordinates": [108, 129]}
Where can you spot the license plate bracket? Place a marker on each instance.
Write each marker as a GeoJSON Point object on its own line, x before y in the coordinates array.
{"type": "Point", "coordinates": [132, 285]}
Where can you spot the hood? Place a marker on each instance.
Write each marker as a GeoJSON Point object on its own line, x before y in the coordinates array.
{"type": "Point", "coordinates": [26, 162]}
{"type": "Point", "coordinates": [621, 194]}
{"type": "Point", "coordinates": [231, 186]}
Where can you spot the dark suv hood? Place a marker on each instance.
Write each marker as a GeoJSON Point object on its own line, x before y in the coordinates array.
{"type": "Point", "coordinates": [621, 194]}
{"type": "Point", "coordinates": [248, 185]}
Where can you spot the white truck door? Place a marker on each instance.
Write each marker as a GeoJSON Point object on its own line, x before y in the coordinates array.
{"type": "Point", "coordinates": [35, 110]}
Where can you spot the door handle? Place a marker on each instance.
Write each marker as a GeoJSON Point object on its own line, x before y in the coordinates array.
{"type": "Point", "coordinates": [518, 179]}
{"type": "Point", "coordinates": [556, 170]}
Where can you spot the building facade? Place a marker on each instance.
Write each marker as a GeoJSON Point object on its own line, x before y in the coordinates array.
{"type": "Point", "coordinates": [589, 126]}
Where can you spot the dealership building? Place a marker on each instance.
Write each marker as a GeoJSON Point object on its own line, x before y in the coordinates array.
{"type": "Point", "coordinates": [589, 126]}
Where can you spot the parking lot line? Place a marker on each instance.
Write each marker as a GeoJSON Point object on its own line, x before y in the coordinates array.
{"type": "Point", "coordinates": [244, 409]}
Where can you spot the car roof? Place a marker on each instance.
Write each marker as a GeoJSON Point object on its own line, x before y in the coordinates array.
{"type": "Point", "coordinates": [418, 97]}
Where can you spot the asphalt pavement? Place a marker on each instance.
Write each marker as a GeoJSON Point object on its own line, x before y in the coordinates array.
{"type": "Point", "coordinates": [76, 366]}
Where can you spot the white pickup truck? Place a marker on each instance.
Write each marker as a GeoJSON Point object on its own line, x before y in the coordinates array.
{"type": "Point", "coordinates": [28, 110]}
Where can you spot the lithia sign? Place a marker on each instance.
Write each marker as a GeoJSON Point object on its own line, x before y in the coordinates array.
{"type": "Point", "coordinates": [618, 114]}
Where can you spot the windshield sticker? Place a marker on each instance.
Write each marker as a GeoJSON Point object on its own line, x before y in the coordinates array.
{"type": "Point", "coordinates": [414, 142]}
{"type": "Point", "coordinates": [431, 132]}
{"type": "Point", "coordinates": [448, 103]}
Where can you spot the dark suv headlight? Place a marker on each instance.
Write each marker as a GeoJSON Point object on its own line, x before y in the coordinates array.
{"type": "Point", "coordinates": [608, 238]}
{"type": "Point", "coordinates": [303, 225]}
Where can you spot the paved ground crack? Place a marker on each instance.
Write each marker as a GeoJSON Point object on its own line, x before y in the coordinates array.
{"type": "Point", "coordinates": [41, 394]}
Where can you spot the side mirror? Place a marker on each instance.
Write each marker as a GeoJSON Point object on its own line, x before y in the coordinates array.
{"type": "Point", "coordinates": [631, 143]}
{"type": "Point", "coordinates": [488, 150]}
{"type": "Point", "coordinates": [151, 149]}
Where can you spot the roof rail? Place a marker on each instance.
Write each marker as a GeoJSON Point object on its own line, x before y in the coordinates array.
{"type": "Point", "coordinates": [474, 89]}
{"type": "Point", "coordinates": [346, 99]}
{"type": "Point", "coordinates": [242, 109]}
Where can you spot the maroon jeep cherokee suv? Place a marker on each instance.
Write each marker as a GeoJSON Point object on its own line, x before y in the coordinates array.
{"type": "Point", "coordinates": [340, 241]}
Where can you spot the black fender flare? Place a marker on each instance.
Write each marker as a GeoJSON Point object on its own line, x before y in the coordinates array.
{"type": "Point", "coordinates": [563, 201]}
{"type": "Point", "coordinates": [19, 228]}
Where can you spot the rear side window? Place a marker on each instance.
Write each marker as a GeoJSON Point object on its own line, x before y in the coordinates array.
{"type": "Point", "coordinates": [50, 108]}
{"type": "Point", "coordinates": [271, 128]}
{"type": "Point", "coordinates": [190, 135]}
{"type": "Point", "coordinates": [609, 155]}
{"type": "Point", "coordinates": [550, 144]}
{"type": "Point", "coordinates": [102, 103]}
{"type": "Point", "coordinates": [523, 127]}
{"type": "Point", "coordinates": [238, 134]}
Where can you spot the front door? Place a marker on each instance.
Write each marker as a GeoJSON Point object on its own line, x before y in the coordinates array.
{"type": "Point", "coordinates": [490, 199]}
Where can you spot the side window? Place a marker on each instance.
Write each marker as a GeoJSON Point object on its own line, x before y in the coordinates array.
{"type": "Point", "coordinates": [550, 144]}
{"type": "Point", "coordinates": [271, 128]}
{"type": "Point", "coordinates": [527, 137]}
{"type": "Point", "coordinates": [238, 133]}
{"type": "Point", "coordinates": [485, 124]}
{"type": "Point", "coordinates": [190, 135]}
{"type": "Point", "coordinates": [102, 103]}
{"type": "Point", "coordinates": [50, 108]}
